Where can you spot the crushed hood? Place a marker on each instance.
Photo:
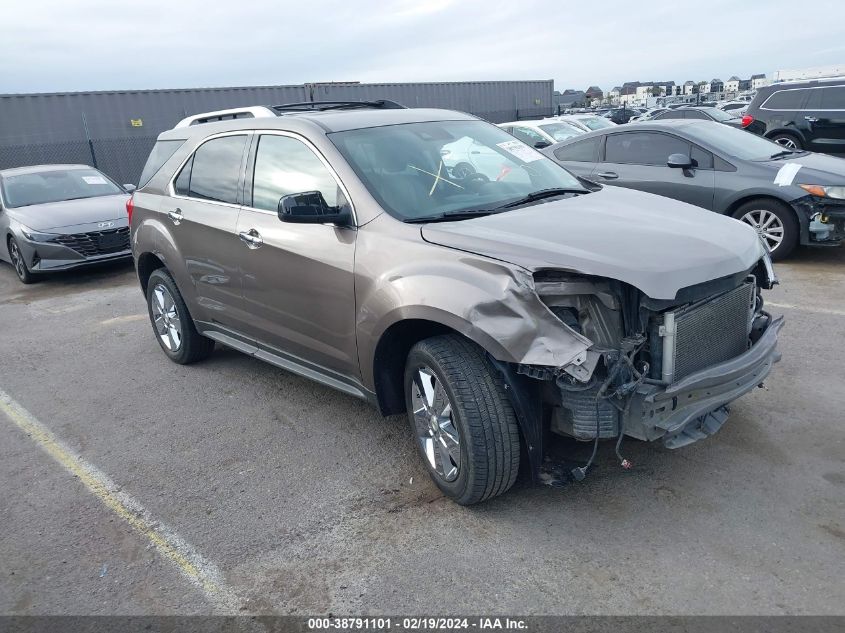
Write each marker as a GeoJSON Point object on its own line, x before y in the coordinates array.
{"type": "Point", "coordinates": [69, 213]}
{"type": "Point", "coordinates": [656, 244]}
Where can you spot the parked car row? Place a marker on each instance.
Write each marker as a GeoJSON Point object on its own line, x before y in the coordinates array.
{"type": "Point", "coordinates": [731, 172]}
{"type": "Point", "coordinates": [789, 197]}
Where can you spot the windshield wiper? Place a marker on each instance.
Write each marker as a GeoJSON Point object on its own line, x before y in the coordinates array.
{"type": "Point", "coordinates": [782, 153]}
{"type": "Point", "coordinates": [540, 195]}
{"type": "Point", "coordinates": [461, 214]}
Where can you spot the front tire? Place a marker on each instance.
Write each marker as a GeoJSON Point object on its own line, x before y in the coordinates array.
{"type": "Point", "coordinates": [460, 415]}
{"type": "Point", "coordinates": [18, 263]}
{"type": "Point", "coordinates": [172, 323]}
{"type": "Point", "coordinates": [774, 222]}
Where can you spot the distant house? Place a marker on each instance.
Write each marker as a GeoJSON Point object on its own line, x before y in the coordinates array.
{"type": "Point", "coordinates": [732, 84]}
{"type": "Point", "coordinates": [690, 87]}
{"type": "Point", "coordinates": [594, 93]}
{"type": "Point", "coordinates": [716, 85]}
{"type": "Point", "coordinates": [758, 81]}
{"type": "Point", "coordinates": [614, 95]}
{"type": "Point", "coordinates": [744, 84]}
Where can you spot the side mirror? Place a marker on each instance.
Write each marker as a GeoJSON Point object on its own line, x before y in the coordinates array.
{"type": "Point", "coordinates": [541, 144]}
{"type": "Point", "coordinates": [679, 161]}
{"type": "Point", "coordinates": [310, 207]}
{"type": "Point", "coordinates": [129, 187]}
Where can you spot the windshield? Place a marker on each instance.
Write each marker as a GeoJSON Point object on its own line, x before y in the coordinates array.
{"type": "Point", "coordinates": [55, 185]}
{"type": "Point", "coordinates": [418, 170]}
{"type": "Point", "coordinates": [734, 142]}
{"type": "Point", "coordinates": [559, 131]}
{"type": "Point", "coordinates": [595, 122]}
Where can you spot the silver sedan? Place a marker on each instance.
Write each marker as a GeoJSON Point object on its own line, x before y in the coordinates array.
{"type": "Point", "coordinates": [57, 217]}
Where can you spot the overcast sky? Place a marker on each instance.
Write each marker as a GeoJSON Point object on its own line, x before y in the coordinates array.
{"type": "Point", "coordinates": [68, 45]}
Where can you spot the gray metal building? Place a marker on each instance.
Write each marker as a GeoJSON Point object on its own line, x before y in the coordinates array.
{"type": "Point", "coordinates": [116, 130]}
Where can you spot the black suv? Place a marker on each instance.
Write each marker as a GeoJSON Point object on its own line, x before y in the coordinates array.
{"type": "Point", "coordinates": [801, 115]}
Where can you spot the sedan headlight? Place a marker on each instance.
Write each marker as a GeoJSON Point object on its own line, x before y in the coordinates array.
{"type": "Point", "coordinates": [35, 236]}
{"type": "Point", "coordinates": [823, 191]}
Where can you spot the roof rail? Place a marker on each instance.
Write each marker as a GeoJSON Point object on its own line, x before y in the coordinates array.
{"type": "Point", "coordinates": [249, 112]}
{"type": "Point", "coordinates": [320, 106]}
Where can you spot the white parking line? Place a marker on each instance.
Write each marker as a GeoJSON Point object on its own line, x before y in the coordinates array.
{"type": "Point", "coordinates": [124, 319]}
{"type": "Point", "coordinates": [196, 568]}
{"type": "Point", "coordinates": [816, 309]}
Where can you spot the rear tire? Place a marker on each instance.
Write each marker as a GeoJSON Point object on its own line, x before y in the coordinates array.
{"type": "Point", "coordinates": [787, 140]}
{"type": "Point", "coordinates": [18, 263]}
{"type": "Point", "coordinates": [771, 219]}
{"type": "Point", "coordinates": [172, 323]}
{"type": "Point", "coordinates": [470, 445]}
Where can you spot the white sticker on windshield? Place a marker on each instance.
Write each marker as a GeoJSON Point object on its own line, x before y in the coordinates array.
{"type": "Point", "coordinates": [786, 174]}
{"type": "Point", "coordinates": [521, 151]}
{"type": "Point", "coordinates": [94, 180]}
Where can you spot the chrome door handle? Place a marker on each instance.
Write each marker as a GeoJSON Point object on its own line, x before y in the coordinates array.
{"type": "Point", "coordinates": [811, 119]}
{"type": "Point", "coordinates": [608, 175]}
{"type": "Point", "coordinates": [176, 216]}
{"type": "Point", "coordinates": [252, 238]}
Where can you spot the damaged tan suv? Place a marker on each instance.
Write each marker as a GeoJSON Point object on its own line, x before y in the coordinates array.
{"type": "Point", "coordinates": [430, 263]}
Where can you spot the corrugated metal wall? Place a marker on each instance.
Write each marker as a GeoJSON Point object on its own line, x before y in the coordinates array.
{"type": "Point", "coordinates": [89, 127]}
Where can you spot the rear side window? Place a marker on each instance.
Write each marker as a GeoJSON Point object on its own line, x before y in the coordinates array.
{"type": "Point", "coordinates": [643, 148]}
{"type": "Point", "coordinates": [182, 185]}
{"type": "Point", "coordinates": [214, 170]}
{"type": "Point", "coordinates": [585, 151]}
{"type": "Point", "coordinates": [785, 100]}
{"type": "Point", "coordinates": [696, 114]}
{"type": "Point", "coordinates": [162, 151]}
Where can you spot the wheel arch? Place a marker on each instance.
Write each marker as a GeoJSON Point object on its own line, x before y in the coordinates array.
{"type": "Point", "coordinates": [146, 264]}
{"type": "Point", "coordinates": [394, 344]}
{"type": "Point", "coordinates": [803, 221]}
{"type": "Point", "coordinates": [791, 131]}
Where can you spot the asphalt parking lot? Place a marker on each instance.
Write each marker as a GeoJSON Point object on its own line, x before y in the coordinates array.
{"type": "Point", "coordinates": [298, 499]}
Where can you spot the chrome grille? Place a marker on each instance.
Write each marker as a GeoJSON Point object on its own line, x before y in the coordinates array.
{"type": "Point", "coordinates": [709, 333]}
{"type": "Point", "coordinates": [97, 242]}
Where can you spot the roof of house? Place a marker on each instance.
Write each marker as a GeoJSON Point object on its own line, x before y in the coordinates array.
{"type": "Point", "coordinates": [761, 76]}
{"type": "Point", "coordinates": [734, 78]}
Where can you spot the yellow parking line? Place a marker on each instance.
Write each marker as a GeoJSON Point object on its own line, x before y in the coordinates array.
{"type": "Point", "coordinates": [816, 309]}
{"type": "Point", "coordinates": [199, 571]}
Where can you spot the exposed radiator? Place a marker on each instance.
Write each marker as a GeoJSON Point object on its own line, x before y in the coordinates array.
{"type": "Point", "coordinates": [706, 333]}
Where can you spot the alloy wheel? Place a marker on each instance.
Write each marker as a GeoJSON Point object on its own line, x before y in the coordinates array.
{"type": "Point", "coordinates": [166, 318]}
{"type": "Point", "coordinates": [435, 426]}
{"type": "Point", "coordinates": [17, 259]}
{"type": "Point", "coordinates": [786, 142]}
{"type": "Point", "coordinates": [768, 226]}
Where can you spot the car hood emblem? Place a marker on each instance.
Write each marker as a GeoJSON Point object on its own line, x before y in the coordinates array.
{"type": "Point", "coordinates": [105, 225]}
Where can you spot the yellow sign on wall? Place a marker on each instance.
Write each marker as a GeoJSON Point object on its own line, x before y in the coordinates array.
{"type": "Point", "coordinates": [136, 122]}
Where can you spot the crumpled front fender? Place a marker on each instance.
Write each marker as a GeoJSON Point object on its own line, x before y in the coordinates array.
{"type": "Point", "coordinates": [492, 303]}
